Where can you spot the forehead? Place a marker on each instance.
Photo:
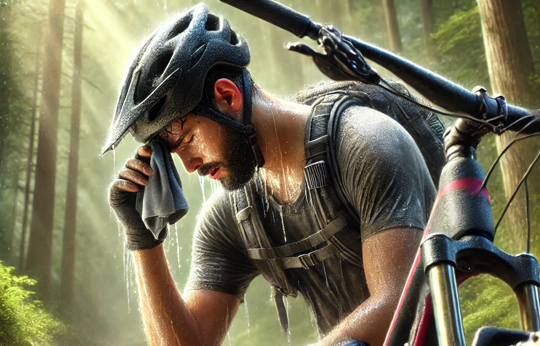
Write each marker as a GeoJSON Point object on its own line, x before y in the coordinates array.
{"type": "Point", "coordinates": [176, 128]}
{"type": "Point", "coordinates": [190, 123]}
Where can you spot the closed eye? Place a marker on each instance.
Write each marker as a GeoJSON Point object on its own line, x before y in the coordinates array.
{"type": "Point", "coordinates": [182, 142]}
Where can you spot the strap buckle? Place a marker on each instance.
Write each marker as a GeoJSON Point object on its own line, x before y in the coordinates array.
{"type": "Point", "coordinates": [308, 260]}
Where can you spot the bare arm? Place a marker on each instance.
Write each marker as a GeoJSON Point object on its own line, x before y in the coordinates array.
{"type": "Point", "coordinates": [387, 258]}
{"type": "Point", "coordinates": [198, 318]}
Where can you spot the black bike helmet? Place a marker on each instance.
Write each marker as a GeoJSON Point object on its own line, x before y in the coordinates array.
{"type": "Point", "coordinates": [165, 80]}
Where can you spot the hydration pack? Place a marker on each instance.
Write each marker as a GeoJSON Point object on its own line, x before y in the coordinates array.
{"type": "Point", "coordinates": [323, 182]}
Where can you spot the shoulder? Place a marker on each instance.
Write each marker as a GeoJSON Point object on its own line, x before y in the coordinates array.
{"type": "Point", "coordinates": [367, 135]}
{"type": "Point", "coordinates": [382, 171]}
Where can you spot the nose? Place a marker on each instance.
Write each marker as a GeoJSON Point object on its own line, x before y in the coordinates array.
{"type": "Point", "coordinates": [191, 164]}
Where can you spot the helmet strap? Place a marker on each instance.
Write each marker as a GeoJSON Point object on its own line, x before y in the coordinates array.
{"type": "Point", "coordinates": [246, 128]}
{"type": "Point", "coordinates": [249, 130]}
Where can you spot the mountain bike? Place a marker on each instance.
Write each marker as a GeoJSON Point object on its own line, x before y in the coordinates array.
{"type": "Point", "coordinates": [458, 239]}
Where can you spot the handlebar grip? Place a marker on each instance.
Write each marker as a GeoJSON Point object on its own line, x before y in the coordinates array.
{"type": "Point", "coordinates": [279, 15]}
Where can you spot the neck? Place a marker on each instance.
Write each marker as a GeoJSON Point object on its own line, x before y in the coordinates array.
{"type": "Point", "coordinates": [280, 128]}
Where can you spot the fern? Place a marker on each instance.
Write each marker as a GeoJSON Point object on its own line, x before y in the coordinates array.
{"type": "Point", "coordinates": [23, 321]}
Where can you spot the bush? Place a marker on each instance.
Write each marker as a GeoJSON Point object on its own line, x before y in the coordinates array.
{"type": "Point", "coordinates": [23, 321]}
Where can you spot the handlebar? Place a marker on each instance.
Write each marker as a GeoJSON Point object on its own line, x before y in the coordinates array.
{"type": "Point", "coordinates": [435, 88]}
{"type": "Point", "coordinates": [280, 15]}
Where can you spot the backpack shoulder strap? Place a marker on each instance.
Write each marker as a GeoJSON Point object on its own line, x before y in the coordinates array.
{"type": "Point", "coordinates": [254, 236]}
{"type": "Point", "coordinates": [424, 127]}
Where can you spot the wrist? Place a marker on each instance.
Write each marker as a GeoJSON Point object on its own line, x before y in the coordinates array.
{"type": "Point", "coordinates": [143, 239]}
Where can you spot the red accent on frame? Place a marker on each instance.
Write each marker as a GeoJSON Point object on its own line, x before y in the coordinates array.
{"type": "Point", "coordinates": [472, 184]}
{"type": "Point", "coordinates": [424, 322]}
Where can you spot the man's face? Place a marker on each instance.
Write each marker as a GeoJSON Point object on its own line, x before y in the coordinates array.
{"type": "Point", "coordinates": [211, 149]}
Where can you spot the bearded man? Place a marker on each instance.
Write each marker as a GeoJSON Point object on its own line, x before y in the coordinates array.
{"type": "Point", "coordinates": [343, 234]}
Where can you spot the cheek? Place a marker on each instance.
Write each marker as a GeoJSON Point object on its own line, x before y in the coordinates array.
{"type": "Point", "coordinates": [211, 141]}
{"type": "Point", "coordinates": [207, 145]}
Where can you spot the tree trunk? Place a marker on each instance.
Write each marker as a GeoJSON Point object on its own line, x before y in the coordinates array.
{"type": "Point", "coordinates": [510, 64]}
{"type": "Point", "coordinates": [290, 63]}
{"type": "Point", "coordinates": [30, 158]}
{"type": "Point", "coordinates": [68, 245]}
{"type": "Point", "coordinates": [40, 244]}
{"type": "Point", "coordinates": [427, 21]}
{"type": "Point", "coordinates": [392, 26]}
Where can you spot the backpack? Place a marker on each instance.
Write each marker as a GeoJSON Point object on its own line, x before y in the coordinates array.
{"type": "Point", "coordinates": [322, 180]}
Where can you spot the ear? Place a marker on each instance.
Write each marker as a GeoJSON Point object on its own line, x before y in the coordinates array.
{"type": "Point", "coordinates": [228, 97]}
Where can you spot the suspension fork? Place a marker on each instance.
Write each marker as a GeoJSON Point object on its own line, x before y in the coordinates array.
{"type": "Point", "coordinates": [446, 309]}
{"type": "Point", "coordinates": [461, 236]}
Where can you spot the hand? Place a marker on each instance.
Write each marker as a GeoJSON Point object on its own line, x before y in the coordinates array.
{"type": "Point", "coordinates": [123, 196]}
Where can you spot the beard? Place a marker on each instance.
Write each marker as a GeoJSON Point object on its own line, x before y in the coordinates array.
{"type": "Point", "coordinates": [238, 159]}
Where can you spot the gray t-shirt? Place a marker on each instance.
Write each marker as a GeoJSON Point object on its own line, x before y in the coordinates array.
{"type": "Point", "coordinates": [387, 182]}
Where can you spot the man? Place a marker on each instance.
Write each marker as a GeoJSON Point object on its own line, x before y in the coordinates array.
{"type": "Point", "coordinates": [189, 89]}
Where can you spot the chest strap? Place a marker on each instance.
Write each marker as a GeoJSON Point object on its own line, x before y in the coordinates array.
{"type": "Point", "coordinates": [314, 240]}
{"type": "Point", "coordinates": [310, 259]}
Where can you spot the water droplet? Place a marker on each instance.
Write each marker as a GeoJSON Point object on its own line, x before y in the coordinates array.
{"type": "Point", "coordinates": [282, 223]}
{"type": "Point", "coordinates": [127, 273]}
{"type": "Point", "coordinates": [201, 182]}
{"type": "Point", "coordinates": [287, 307]}
{"type": "Point", "coordinates": [177, 246]}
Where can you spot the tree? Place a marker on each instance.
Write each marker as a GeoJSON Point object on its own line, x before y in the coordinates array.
{"type": "Point", "coordinates": [427, 21]}
{"type": "Point", "coordinates": [510, 65]}
{"type": "Point", "coordinates": [39, 248]}
{"type": "Point", "coordinates": [68, 244]}
{"type": "Point", "coordinates": [30, 160]}
{"type": "Point", "coordinates": [283, 59]}
{"type": "Point", "coordinates": [392, 26]}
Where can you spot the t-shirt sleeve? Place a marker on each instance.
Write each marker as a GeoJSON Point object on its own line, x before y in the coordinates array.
{"type": "Point", "coordinates": [219, 259]}
{"type": "Point", "coordinates": [383, 172]}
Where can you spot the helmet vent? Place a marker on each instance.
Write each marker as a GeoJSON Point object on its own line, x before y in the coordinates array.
{"type": "Point", "coordinates": [212, 23]}
{"type": "Point", "coordinates": [180, 27]}
{"type": "Point", "coordinates": [197, 55]}
{"type": "Point", "coordinates": [234, 38]}
{"type": "Point", "coordinates": [163, 62]}
{"type": "Point", "coordinates": [156, 109]}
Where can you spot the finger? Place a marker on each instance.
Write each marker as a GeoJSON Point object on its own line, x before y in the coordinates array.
{"type": "Point", "coordinates": [140, 166]}
{"type": "Point", "coordinates": [144, 151]}
{"type": "Point", "coordinates": [133, 176]}
{"type": "Point", "coordinates": [125, 185]}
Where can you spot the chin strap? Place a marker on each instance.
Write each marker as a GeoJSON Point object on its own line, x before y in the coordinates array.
{"type": "Point", "coordinates": [246, 128]}
{"type": "Point", "coordinates": [249, 130]}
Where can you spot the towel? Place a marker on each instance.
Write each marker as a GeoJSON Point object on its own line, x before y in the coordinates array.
{"type": "Point", "coordinates": [162, 201]}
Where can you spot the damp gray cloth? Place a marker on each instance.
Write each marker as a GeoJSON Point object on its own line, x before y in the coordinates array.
{"type": "Point", "coordinates": [162, 201]}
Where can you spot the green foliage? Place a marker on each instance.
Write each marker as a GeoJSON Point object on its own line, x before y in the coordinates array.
{"type": "Point", "coordinates": [461, 48]}
{"type": "Point", "coordinates": [531, 12]}
{"type": "Point", "coordinates": [22, 318]}
{"type": "Point", "coordinates": [486, 301]}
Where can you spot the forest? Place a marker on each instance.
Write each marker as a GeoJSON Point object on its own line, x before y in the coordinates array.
{"type": "Point", "coordinates": [66, 277]}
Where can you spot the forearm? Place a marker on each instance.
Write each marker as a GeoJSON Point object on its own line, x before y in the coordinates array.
{"type": "Point", "coordinates": [386, 266]}
{"type": "Point", "coordinates": [166, 316]}
{"type": "Point", "coordinates": [368, 323]}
